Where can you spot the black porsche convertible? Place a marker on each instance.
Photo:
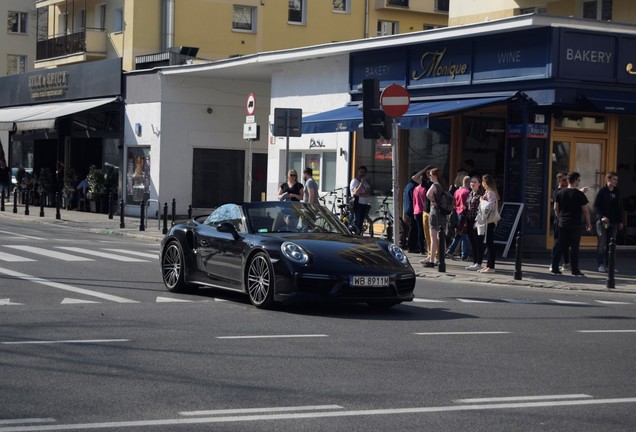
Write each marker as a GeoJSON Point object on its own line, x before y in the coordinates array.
{"type": "Point", "coordinates": [283, 251]}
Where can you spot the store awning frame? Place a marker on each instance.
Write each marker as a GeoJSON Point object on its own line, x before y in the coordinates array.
{"type": "Point", "coordinates": [43, 116]}
{"type": "Point", "coordinates": [349, 118]}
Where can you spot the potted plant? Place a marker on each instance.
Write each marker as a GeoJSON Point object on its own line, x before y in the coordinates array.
{"type": "Point", "coordinates": [44, 185]}
{"type": "Point", "coordinates": [111, 179]}
{"type": "Point", "coordinates": [95, 179]}
{"type": "Point", "coordinates": [68, 191]}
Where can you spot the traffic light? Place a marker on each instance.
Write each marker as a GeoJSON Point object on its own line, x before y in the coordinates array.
{"type": "Point", "coordinates": [376, 124]}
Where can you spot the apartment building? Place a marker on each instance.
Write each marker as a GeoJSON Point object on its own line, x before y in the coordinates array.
{"type": "Point", "coordinates": [148, 33]}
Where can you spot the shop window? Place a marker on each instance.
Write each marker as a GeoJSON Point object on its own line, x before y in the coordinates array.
{"type": "Point", "coordinates": [430, 147]}
{"type": "Point", "coordinates": [579, 121]}
{"type": "Point", "coordinates": [118, 20]}
{"type": "Point", "coordinates": [597, 9]}
{"type": "Point", "coordinates": [137, 174]}
{"type": "Point", "coordinates": [297, 12]}
{"type": "Point", "coordinates": [244, 18]}
{"type": "Point", "coordinates": [16, 64]}
{"type": "Point", "coordinates": [342, 6]}
{"type": "Point", "coordinates": [17, 22]}
{"type": "Point", "coordinates": [323, 165]}
{"type": "Point", "coordinates": [387, 28]}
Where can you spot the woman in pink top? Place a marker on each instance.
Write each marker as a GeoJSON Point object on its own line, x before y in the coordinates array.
{"type": "Point", "coordinates": [419, 206]}
{"type": "Point", "coordinates": [461, 239]}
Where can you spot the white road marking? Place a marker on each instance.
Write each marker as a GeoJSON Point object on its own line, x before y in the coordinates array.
{"type": "Point", "coordinates": [135, 253]}
{"type": "Point", "coordinates": [7, 302]}
{"type": "Point", "coordinates": [273, 336]}
{"type": "Point", "coordinates": [260, 410]}
{"type": "Point", "coordinates": [513, 301]}
{"type": "Point", "coordinates": [568, 302]}
{"type": "Point", "coordinates": [612, 302]}
{"type": "Point", "coordinates": [70, 341]}
{"type": "Point", "coordinates": [76, 301]}
{"type": "Point", "coordinates": [421, 300]}
{"type": "Point", "coordinates": [13, 258]}
{"type": "Point", "coordinates": [325, 414]}
{"type": "Point", "coordinates": [523, 398]}
{"type": "Point", "coordinates": [463, 300]}
{"type": "Point", "coordinates": [172, 300]}
{"type": "Point", "coordinates": [27, 420]}
{"type": "Point", "coordinates": [12, 234]}
{"type": "Point", "coordinates": [606, 331]}
{"type": "Point", "coordinates": [462, 333]}
{"type": "Point", "coordinates": [101, 254]}
{"type": "Point", "coordinates": [65, 287]}
{"type": "Point", "coordinates": [49, 253]}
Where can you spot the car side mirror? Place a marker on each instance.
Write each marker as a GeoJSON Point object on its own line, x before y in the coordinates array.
{"type": "Point", "coordinates": [227, 227]}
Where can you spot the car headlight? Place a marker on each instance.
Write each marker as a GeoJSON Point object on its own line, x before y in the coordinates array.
{"type": "Point", "coordinates": [294, 252]}
{"type": "Point", "coordinates": [397, 254]}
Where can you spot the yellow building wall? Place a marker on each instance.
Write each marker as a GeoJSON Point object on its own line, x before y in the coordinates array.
{"type": "Point", "coordinates": [143, 30]}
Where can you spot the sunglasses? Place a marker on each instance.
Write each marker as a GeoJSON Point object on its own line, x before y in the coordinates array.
{"type": "Point", "coordinates": [292, 175]}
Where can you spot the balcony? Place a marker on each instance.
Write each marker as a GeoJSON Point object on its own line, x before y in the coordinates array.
{"type": "Point", "coordinates": [79, 46]}
{"type": "Point", "coordinates": [425, 6]}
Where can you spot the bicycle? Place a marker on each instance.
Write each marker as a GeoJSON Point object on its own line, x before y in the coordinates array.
{"type": "Point", "coordinates": [344, 211]}
{"type": "Point", "coordinates": [383, 224]}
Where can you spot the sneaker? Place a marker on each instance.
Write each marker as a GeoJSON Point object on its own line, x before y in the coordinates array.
{"type": "Point", "coordinates": [578, 274]}
{"type": "Point", "coordinates": [601, 268]}
{"type": "Point", "coordinates": [565, 266]}
{"type": "Point", "coordinates": [473, 267]}
{"type": "Point", "coordinates": [465, 258]}
{"type": "Point", "coordinates": [555, 272]}
{"type": "Point", "coordinates": [487, 270]}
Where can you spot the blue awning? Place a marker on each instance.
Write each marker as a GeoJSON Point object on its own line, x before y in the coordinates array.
{"type": "Point", "coordinates": [349, 118]}
{"type": "Point", "coordinates": [613, 103]}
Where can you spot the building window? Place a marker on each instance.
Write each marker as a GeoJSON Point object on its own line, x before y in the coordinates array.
{"type": "Point", "coordinates": [297, 11]}
{"type": "Point", "coordinates": [341, 6]}
{"type": "Point", "coordinates": [441, 5]}
{"type": "Point", "coordinates": [597, 9]}
{"type": "Point", "coordinates": [539, 10]}
{"type": "Point", "coordinates": [62, 23]}
{"type": "Point", "coordinates": [17, 22]}
{"type": "Point", "coordinates": [80, 20]}
{"type": "Point", "coordinates": [118, 22]}
{"type": "Point", "coordinates": [402, 3]}
{"type": "Point", "coordinates": [100, 16]}
{"type": "Point", "coordinates": [387, 28]}
{"type": "Point", "coordinates": [16, 64]}
{"type": "Point", "coordinates": [244, 18]}
{"type": "Point", "coordinates": [323, 165]}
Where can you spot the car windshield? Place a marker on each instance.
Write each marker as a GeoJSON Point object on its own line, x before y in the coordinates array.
{"type": "Point", "coordinates": [290, 216]}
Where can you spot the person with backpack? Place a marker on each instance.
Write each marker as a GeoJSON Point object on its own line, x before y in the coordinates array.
{"type": "Point", "coordinates": [441, 206]}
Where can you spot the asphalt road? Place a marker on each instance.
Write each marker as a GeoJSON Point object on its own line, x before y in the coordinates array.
{"type": "Point", "coordinates": [91, 340]}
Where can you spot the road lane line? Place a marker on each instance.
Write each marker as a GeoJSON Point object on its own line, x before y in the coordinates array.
{"type": "Point", "coordinates": [465, 300]}
{"type": "Point", "coordinates": [13, 258]}
{"type": "Point", "coordinates": [316, 415]}
{"type": "Point", "coordinates": [65, 287]}
{"type": "Point", "coordinates": [606, 331]}
{"type": "Point", "coordinates": [462, 333]}
{"type": "Point", "coordinates": [568, 302]}
{"type": "Point", "coordinates": [272, 336]}
{"type": "Point", "coordinates": [260, 410]}
{"type": "Point", "coordinates": [49, 253]}
{"type": "Point", "coordinates": [101, 254]}
{"type": "Point", "coordinates": [421, 300]}
{"type": "Point", "coordinates": [68, 341]}
{"type": "Point", "coordinates": [8, 302]}
{"type": "Point", "coordinates": [136, 253]}
{"type": "Point", "coordinates": [523, 398]}
{"type": "Point", "coordinates": [609, 302]}
{"type": "Point", "coordinates": [12, 234]}
{"type": "Point", "coordinates": [26, 420]}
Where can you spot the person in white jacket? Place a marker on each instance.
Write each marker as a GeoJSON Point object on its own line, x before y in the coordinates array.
{"type": "Point", "coordinates": [487, 218]}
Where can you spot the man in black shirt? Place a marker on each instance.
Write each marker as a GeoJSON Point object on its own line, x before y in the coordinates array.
{"type": "Point", "coordinates": [607, 206]}
{"type": "Point", "coordinates": [569, 205]}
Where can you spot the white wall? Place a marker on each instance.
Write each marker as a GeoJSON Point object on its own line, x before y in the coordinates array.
{"type": "Point", "coordinates": [314, 86]}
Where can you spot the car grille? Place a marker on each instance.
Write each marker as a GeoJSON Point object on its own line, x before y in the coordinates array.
{"type": "Point", "coordinates": [330, 285]}
{"type": "Point", "coordinates": [405, 286]}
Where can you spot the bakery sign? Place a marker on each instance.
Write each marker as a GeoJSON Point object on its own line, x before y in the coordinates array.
{"type": "Point", "coordinates": [50, 84]}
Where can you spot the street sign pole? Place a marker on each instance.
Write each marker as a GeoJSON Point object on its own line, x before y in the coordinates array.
{"type": "Point", "coordinates": [287, 130]}
{"type": "Point", "coordinates": [396, 183]}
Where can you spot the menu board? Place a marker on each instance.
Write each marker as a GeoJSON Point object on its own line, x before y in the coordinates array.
{"type": "Point", "coordinates": [506, 228]}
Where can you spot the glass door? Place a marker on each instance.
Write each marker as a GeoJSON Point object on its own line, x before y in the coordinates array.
{"type": "Point", "coordinates": [586, 156]}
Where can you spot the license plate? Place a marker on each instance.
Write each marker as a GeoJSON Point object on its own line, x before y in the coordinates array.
{"type": "Point", "coordinates": [369, 281]}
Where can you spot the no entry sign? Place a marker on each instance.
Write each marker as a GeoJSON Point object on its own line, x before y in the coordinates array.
{"type": "Point", "coordinates": [395, 100]}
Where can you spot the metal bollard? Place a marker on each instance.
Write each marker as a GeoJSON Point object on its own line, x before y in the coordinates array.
{"type": "Point", "coordinates": [441, 236]}
{"type": "Point", "coordinates": [165, 218]}
{"type": "Point", "coordinates": [190, 211]}
{"type": "Point", "coordinates": [174, 210]}
{"type": "Point", "coordinates": [57, 206]}
{"type": "Point", "coordinates": [611, 256]}
{"type": "Point", "coordinates": [41, 205]}
{"type": "Point", "coordinates": [26, 202]}
{"type": "Point", "coordinates": [122, 224]}
{"type": "Point", "coordinates": [142, 223]}
{"type": "Point", "coordinates": [518, 253]}
{"type": "Point", "coordinates": [15, 200]}
{"type": "Point", "coordinates": [2, 205]}
{"type": "Point", "coordinates": [110, 205]}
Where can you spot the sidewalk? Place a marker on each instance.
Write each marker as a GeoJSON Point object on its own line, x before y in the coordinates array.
{"type": "Point", "coordinates": [534, 272]}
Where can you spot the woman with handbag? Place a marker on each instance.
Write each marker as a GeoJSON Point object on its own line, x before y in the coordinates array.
{"type": "Point", "coordinates": [489, 214]}
{"type": "Point", "coordinates": [472, 209]}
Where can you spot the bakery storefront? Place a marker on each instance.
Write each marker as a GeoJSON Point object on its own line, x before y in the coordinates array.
{"type": "Point", "coordinates": [68, 116]}
{"type": "Point", "coordinates": [522, 105]}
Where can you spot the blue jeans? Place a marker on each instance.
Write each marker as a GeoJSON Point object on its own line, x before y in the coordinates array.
{"type": "Point", "coordinates": [604, 236]}
{"type": "Point", "coordinates": [460, 240]}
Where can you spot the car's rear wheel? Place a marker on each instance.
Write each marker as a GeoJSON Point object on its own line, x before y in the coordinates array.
{"type": "Point", "coordinates": [260, 281]}
{"type": "Point", "coordinates": [173, 268]}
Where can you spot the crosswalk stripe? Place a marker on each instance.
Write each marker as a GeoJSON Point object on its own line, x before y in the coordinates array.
{"type": "Point", "coordinates": [49, 253]}
{"type": "Point", "coordinates": [13, 258]}
{"type": "Point", "coordinates": [463, 300]}
{"type": "Point", "coordinates": [136, 253]}
{"type": "Point", "coordinates": [76, 301]}
{"type": "Point", "coordinates": [609, 302]}
{"type": "Point", "coordinates": [568, 302]}
{"type": "Point", "coordinates": [8, 302]}
{"type": "Point", "coordinates": [171, 300]}
{"type": "Point", "coordinates": [101, 254]}
{"type": "Point", "coordinates": [421, 300]}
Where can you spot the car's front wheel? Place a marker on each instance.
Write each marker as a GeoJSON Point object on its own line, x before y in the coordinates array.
{"type": "Point", "coordinates": [260, 281]}
{"type": "Point", "coordinates": [173, 268]}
